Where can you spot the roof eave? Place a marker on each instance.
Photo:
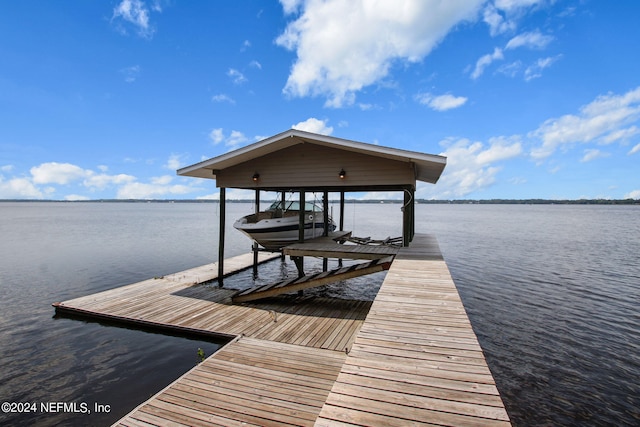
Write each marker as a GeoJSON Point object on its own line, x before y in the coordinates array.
{"type": "Point", "coordinates": [429, 167]}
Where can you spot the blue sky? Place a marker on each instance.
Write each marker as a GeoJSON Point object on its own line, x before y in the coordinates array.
{"type": "Point", "coordinates": [526, 98]}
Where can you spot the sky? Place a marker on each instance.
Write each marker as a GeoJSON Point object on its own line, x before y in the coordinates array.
{"type": "Point", "coordinates": [525, 98]}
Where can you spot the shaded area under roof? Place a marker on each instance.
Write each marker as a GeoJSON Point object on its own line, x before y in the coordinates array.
{"type": "Point", "coordinates": [302, 160]}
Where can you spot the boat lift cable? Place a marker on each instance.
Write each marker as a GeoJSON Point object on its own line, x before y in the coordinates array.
{"type": "Point", "coordinates": [408, 201]}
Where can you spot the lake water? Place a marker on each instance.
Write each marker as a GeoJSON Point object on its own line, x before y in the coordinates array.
{"type": "Point", "coordinates": [553, 293]}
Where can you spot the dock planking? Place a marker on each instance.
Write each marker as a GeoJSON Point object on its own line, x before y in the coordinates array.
{"type": "Point", "coordinates": [411, 356]}
{"type": "Point", "coordinates": [180, 303]}
{"type": "Point", "coordinates": [416, 359]}
{"type": "Point", "coordinates": [248, 382]}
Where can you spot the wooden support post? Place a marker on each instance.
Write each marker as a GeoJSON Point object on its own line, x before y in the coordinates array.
{"type": "Point", "coordinates": [341, 219]}
{"type": "Point", "coordinates": [325, 211]}
{"type": "Point", "coordinates": [301, 217]}
{"type": "Point", "coordinates": [413, 213]}
{"type": "Point", "coordinates": [341, 211]}
{"type": "Point", "coordinates": [325, 233]}
{"type": "Point", "coordinates": [283, 198]}
{"type": "Point", "coordinates": [298, 260]}
{"type": "Point", "coordinates": [221, 237]}
{"type": "Point", "coordinates": [255, 244]}
{"type": "Point", "coordinates": [408, 216]}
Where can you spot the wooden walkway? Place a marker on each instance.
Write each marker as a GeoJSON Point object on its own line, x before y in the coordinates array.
{"type": "Point", "coordinates": [414, 360]}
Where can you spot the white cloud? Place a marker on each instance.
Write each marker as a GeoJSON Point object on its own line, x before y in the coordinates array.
{"type": "Point", "coordinates": [441, 102]}
{"type": "Point", "coordinates": [175, 161]}
{"type": "Point", "coordinates": [621, 135]}
{"type": "Point", "coordinates": [598, 122]}
{"type": "Point", "coordinates": [6, 168]}
{"type": "Point", "coordinates": [236, 76]}
{"type": "Point", "coordinates": [237, 194]}
{"type": "Point", "coordinates": [367, 106]}
{"type": "Point", "coordinates": [535, 70]}
{"type": "Point", "coordinates": [139, 190]}
{"type": "Point", "coordinates": [502, 15]}
{"type": "Point", "coordinates": [102, 181]}
{"type": "Point", "coordinates": [635, 150]}
{"type": "Point", "coordinates": [471, 166]}
{"type": "Point", "coordinates": [485, 61]}
{"type": "Point", "coordinates": [512, 69]}
{"type": "Point", "coordinates": [130, 73]}
{"type": "Point", "coordinates": [236, 139]}
{"type": "Point", "coordinates": [75, 197]}
{"type": "Point", "coordinates": [500, 148]}
{"type": "Point", "coordinates": [216, 136]}
{"type": "Point", "coordinates": [135, 13]}
{"type": "Point", "coordinates": [255, 64]}
{"type": "Point", "coordinates": [592, 154]}
{"type": "Point", "coordinates": [221, 97]}
{"type": "Point", "coordinates": [497, 23]}
{"type": "Point", "coordinates": [19, 188]}
{"type": "Point", "coordinates": [66, 174]}
{"type": "Point", "coordinates": [232, 141]}
{"type": "Point", "coordinates": [162, 180]}
{"type": "Point", "coordinates": [344, 45]}
{"type": "Point", "coordinates": [514, 5]}
{"type": "Point", "coordinates": [633, 195]}
{"type": "Point", "coordinates": [532, 40]}
{"type": "Point", "coordinates": [314, 125]}
{"type": "Point", "coordinates": [51, 174]}
{"type": "Point", "coordinates": [291, 6]}
{"type": "Point", "coordinates": [57, 173]}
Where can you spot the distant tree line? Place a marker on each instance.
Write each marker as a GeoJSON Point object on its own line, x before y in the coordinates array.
{"type": "Point", "coordinates": [536, 202]}
{"type": "Point", "coordinates": [379, 201]}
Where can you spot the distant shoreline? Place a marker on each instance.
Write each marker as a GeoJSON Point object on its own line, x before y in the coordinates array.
{"type": "Point", "coordinates": [369, 201]}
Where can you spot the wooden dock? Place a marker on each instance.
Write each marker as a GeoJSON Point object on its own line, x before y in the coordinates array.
{"type": "Point", "coordinates": [180, 303]}
{"type": "Point", "coordinates": [409, 358]}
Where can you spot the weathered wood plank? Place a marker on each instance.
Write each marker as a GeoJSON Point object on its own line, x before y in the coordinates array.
{"type": "Point", "coordinates": [314, 280]}
{"type": "Point", "coordinates": [248, 381]}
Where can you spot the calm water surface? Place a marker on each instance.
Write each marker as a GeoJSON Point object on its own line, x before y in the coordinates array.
{"type": "Point", "coordinates": [553, 293]}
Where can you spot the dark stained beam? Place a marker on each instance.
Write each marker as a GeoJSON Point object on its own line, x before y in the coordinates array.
{"type": "Point", "coordinates": [221, 236]}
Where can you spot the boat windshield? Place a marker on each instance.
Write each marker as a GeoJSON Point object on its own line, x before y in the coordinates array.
{"type": "Point", "coordinates": [294, 206]}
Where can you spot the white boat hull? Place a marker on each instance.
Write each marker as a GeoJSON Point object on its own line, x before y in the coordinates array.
{"type": "Point", "coordinates": [275, 233]}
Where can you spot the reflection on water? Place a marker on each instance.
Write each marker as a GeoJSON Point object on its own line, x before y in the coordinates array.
{"type": "Point", "coordinates": [552, 292]}
{"type": "Point", "coordinates": [553, 295]}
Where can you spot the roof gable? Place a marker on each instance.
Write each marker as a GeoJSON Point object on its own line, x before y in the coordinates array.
{"type": "Point", "coordinates": [426, 167]}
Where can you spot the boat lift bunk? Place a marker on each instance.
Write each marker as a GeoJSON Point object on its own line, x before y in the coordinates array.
{"type": "Point", "coordinates": [313, 280]}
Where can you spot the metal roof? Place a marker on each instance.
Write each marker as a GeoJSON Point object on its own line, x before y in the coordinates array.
{"type": "Point", "coordinates": [428, 167]}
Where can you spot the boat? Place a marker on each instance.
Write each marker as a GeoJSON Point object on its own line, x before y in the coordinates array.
{"type": "Point", "coordinates": [278, 226]}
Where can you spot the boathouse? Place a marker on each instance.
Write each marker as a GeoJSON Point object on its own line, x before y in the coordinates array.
{"type": "Point", "coordinates": [299, 161]}
{"type": "Point", "coordinates": [409, 357]}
